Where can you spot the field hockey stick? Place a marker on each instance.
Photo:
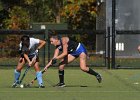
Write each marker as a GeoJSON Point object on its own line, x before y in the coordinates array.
{"type": "Point", "coordinates": [29, 84]}
{"type": "Point", "coordinates": [24, 74]}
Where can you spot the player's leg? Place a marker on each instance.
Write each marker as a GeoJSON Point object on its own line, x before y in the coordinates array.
{"type": "Point", "coordinates": [62, 64]}
{"type": "Point", "coordinates": [38, 74]}
{"type": "Point", "coordinates": [84, 67]}
{"type": "Point", "coordinates": [17, 71]}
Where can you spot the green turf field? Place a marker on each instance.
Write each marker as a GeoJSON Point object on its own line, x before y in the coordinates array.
{"type": "Point", "coordinates": [117, 85]}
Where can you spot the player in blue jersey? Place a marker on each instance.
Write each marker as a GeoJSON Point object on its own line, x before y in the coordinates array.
{"type": "Point", "coordinates": [28, 49]}
{"type": "Point", "coordinates": [70, 51]}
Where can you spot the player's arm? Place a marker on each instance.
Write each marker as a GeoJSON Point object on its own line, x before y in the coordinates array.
{"type": "Point", "coordinates": [65, 51]}
{"type": "Point", "coordinates": [27, 58]}
{"type": "Point", "coordinates": [138, 48]}
{"type": "Point", "coordinates": [56, 53]}
{"type": "Point", "coordinates": [24, 53]}
{"type": "Point", "coordinates": [41, 44]}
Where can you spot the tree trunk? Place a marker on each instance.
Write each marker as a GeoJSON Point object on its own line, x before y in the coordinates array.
{"type": "Point", "coordinates": [58, 18]}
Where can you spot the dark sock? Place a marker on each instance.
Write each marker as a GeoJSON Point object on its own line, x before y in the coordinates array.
{"type": "Point", "coordinates": [61, 76]}
{"type": "Point", "coordinates": [92, 72]}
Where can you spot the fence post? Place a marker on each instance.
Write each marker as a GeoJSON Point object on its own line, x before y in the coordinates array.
{"type": "Point", "coordinates": [113, 32]}
{"type": "Point", "coordinates": [45, 48]}
{"type": "Point", "coordinates": [48, 47]}
{"type": "Point", "coordinates": [108, 46]}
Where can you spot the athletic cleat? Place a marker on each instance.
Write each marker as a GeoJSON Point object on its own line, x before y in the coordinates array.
{"type": "Point", "coordinates": [41, 86]}
{"type": "Point", "coordinates": [60, 85]}
{"type": "Point", "coordinates": [99, 78]}
{"type": "Point", "coordinates": [14, 85]}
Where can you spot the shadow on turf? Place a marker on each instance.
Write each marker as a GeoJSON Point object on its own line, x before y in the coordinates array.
{"type": "Point", "coordinates": [81, 86]}
{"type": "Point", "coordinates": [76, 86]}
{"type": "Point", "coordinates": [84, 86]}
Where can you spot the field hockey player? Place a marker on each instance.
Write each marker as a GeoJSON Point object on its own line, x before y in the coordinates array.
{"type": "Point", "coordinates": [29, 47]}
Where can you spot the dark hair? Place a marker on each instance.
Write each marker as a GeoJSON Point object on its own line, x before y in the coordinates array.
{"type": "Point", "coordinates": [53, 34]}
{"type": "Point", "coordinates": [55, 37]}
{"type": "Point", "coordinates": [25, 40]}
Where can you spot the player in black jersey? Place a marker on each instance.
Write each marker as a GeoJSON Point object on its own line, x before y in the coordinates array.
{"type": "Point", "coordinates": [70, 51]}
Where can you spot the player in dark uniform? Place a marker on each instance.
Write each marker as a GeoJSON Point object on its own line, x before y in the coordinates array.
{"type": "Point", "coordinates": [70, 51]}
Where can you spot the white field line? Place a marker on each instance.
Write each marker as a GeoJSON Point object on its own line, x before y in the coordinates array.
{"type": "Point", "coordinates": [45, 91]}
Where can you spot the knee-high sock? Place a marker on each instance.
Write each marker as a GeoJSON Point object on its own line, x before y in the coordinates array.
{"type": "Point", "coordinates": [17, 75]}
{"type": "Point", "coordinates": [39, 77]}
{"type": "Point", "coordinates": [92, 72]}
{"type": "Point", "coordinates": [61, 76]}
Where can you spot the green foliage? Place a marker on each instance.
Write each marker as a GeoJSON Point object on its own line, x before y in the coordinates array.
{"type": "Point", "coordinates": [39, 10]}
{"type": "Point", "coordinates": [28, 2]}
{"type": "Point", "coordinates": [9, 45]}
{"type": "Point", "coordinates": [55, 6]}
{"type": "Point", "coordinates": [45, 10]}
{"type": "Point", "coordinates": [19, 18]}
{"type": "Point", "coordinates": [1, 6]}
{"type": "Point", "coordinates": [80, 14]}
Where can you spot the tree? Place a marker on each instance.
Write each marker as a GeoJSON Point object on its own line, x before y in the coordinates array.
{"type": "Point", "coordinates": [38, 10]}
{"type": "Point", "coordinates": [80, 14]}
{"type": "Point", "coordinates": [4, 14]}
{"type": "Point", "coordinates": [55, 6]}
{"type": "Point", "coordinates": [19, 18]}
{"type": "Point", "coordinates": [1, 6]}
{"type": "Point", "coordinates": [44, 10]}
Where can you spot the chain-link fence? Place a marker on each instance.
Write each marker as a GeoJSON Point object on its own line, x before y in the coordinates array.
{"type": "Point", "coordinates": [127, 54]}
{"type": "Point", "coordinates": [9, 46]}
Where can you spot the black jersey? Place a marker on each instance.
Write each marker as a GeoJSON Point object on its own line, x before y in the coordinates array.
{"type": "Point", "coordinates": [72, 46]}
